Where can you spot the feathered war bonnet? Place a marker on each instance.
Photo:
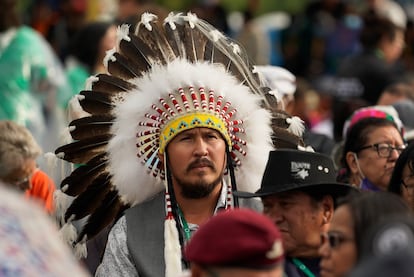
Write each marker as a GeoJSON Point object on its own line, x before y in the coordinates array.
{"type": "Point", "coordinates": [162, 80]}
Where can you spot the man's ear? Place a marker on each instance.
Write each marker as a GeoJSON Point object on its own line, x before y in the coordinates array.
{"type": "Point", "coordinates": [351, 160]}
{"type": "Point", "coordinates": [328, 208]}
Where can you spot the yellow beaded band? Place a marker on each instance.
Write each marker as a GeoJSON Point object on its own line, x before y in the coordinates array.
{"type": "Point", "coordinates": [190, 121]}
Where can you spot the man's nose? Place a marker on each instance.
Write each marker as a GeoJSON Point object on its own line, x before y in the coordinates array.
{"type": "Point", "coordinates": [200, 147]}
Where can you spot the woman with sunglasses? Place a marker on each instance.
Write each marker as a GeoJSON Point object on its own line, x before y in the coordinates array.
{"type": "Point", "coordinates": [373, 142]}
{"type": "Point", "coordinates": [341, 246]}
{"type": "Point", "coordinates": [402, 179]}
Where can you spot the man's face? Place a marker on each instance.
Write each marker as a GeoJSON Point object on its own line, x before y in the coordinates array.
{"type": "Point", "coordinates": [197, 158]}
{"type": "Point", "coordinates": [300, 220]}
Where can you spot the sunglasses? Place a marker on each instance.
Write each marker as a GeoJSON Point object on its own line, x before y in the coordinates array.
{"type": "Point", "coordinates": [334, 239]}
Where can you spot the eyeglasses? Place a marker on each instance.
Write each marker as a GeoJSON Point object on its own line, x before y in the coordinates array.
{"type": "Point", "coordinates": [384, 150]}
{"type": "Point", "coordinates": [334, 239]}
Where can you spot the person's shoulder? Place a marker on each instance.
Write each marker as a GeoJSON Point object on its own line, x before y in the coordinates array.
{"type": "Point", "coordinates": [26, 33]}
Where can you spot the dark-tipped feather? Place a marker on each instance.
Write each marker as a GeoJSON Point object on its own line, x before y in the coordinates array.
{"type": "Point", "coordinates": [135, 50]}
{"type": "Point", "coordinates": [111, 84]}
{"type": "Point", "coordinates": [105, 214]}
{"type": "Point", "coordinates": [195, 43]}
{"type": "Point", "coordinates": [156, 41]}
{"type": "Point", "coordinates": [91, 126]}
{"type": "Point", "coordinates": [174, 38]}
{"type": "Point", "coordinates": [123, 68]}
{"type": "Point", "coordinates": [282, 138]}
{"type": "Point", "coordinates": [96, 102]}
{"type": "Point", "coordinates": [87, 202]}
{"type": "Point", "coordinates": [82, 177]}
{"type": "Point", "coordinates": [82, 151]}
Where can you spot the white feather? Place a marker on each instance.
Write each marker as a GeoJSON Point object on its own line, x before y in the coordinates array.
{"type": "Point", "coordinates": [296, 125]}
{"type": "Point", "coordinates": [90, 81]}
{"type": "Point", "coordinates": [68, 233]}
{"type": "Point", "coordinates": [75, 109]}
{"type": "Point", "coordinates": [146, 19]}
{"type": "Point", "coordinates": [192, 19]}
{"type": "Point", "coordinates": [80, 250]}
{"type": "Point", "coordinates": [62, 202]}
{"type": "Point", "coordinates": [172, 251]}
{"type": "Point", "coordinates": [109, 56]}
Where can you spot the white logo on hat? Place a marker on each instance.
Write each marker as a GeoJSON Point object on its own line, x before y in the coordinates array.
{"type": "Point", "coordinates": [299, 170]}
{"type": "Point", "coordinates": [276, 251]}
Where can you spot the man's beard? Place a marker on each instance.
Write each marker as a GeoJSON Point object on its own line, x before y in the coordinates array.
{"type": "Point", "coordinates": [201, 188]}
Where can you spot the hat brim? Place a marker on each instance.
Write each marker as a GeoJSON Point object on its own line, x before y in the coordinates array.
{"type": "Point", "coordinates": [336, 190]}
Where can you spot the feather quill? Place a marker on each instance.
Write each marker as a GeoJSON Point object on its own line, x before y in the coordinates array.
{"type": "Point", "coordinates": [174, 32]}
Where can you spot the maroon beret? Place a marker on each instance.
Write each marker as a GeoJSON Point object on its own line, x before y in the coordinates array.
{"type": "Point", "coordinates": [236, 238]}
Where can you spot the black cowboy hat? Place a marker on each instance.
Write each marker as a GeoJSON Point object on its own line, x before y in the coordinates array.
{"type": "Point", "coordinates": [290, 169]}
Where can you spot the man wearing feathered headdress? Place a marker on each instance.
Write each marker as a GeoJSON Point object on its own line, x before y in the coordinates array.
{"type": "Point", "coordinates": [172, 131]}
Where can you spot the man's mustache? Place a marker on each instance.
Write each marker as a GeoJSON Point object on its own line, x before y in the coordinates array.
{"type": "Point", "coordinates": [199, 163]}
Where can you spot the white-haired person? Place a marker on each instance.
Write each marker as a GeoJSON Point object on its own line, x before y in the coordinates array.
{"type": "Point", "coordinates": [18, 166]}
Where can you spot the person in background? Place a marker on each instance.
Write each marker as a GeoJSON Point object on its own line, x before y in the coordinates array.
{"type": "Point", "coordinates": [400, 95]}
{"type": "Point", "coordinates": [342, 242]}
{"type": "Point", "coordinates": [402, 179]}
{"type": "Point", "coordinates": [373, 142]}
{"type": "Point", "coordinates": [382, 45]}
{"type": "Point", "coordinates": [30, 244]}
{"type": "Point", "coordinates": [240, 242]}
{"type": "Point", "coordinates": [388, 248]}
{"type": "Point", "coordinates": [18, 168]}
{"type": "Point", "coordinates": [32, 79]}
{"type": "Point", "coordinates": [299, 192]}
{"type": "Point", "coordinates": [292, 98]}
{"type": "Point", "coordinates": [396, 92]}
{"type": "Point", "coordinates": [87, 51]}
